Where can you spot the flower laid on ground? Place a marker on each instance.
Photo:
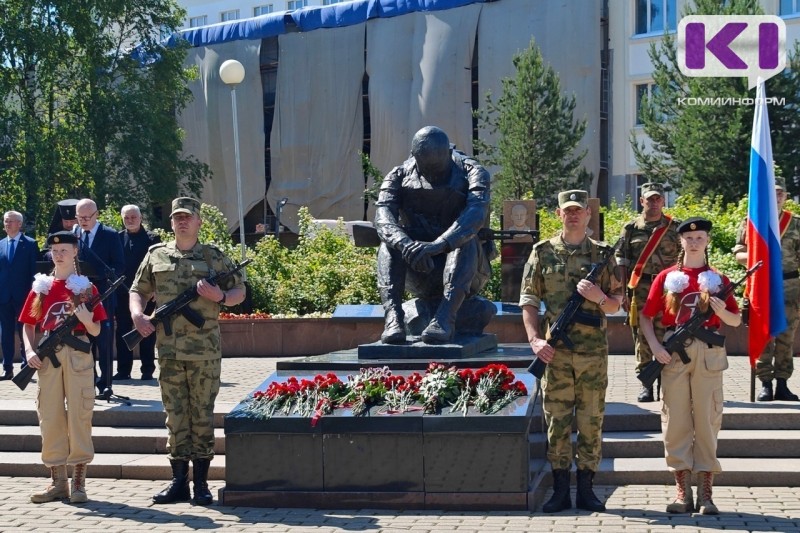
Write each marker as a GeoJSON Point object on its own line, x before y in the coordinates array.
{"type": "Point", "coordinates": [487, 389]}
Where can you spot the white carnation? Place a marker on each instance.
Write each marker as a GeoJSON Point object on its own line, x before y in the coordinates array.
{"type": "Point", "coordinates": [709, 281]}
{"type": "Point", "coordinates": [78, 284]}
{"type": "Point", "coordinates": [676, 281]}
{"type": "Point", "coordinates": [42, 283]}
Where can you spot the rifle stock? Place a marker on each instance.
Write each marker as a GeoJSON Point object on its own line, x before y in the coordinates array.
{"type": "Point", "coordinates": [559, 329]}
{"type": "Point", "coordinates": [180, 304]}
{"type": "Point", "coordinates": [62, 334]}
{"type": "Point", "coordinates": [677, 342]}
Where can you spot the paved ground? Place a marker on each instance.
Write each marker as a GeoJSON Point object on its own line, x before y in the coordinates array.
{"type": "Point", "coordinates": [124, 505]}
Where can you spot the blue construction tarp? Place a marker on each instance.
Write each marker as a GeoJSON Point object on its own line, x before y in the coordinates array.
{"type": "Point", "coordinates": [312, 18]}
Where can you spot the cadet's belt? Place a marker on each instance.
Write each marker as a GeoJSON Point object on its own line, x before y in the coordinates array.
{"type": "Point", "coordinates": [792, 274]}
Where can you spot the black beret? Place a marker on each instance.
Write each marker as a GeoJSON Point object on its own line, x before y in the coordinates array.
{"type": "Point", "coordinates": [695, 224]}
{"type": "Point", "coordinates": [62, 237]}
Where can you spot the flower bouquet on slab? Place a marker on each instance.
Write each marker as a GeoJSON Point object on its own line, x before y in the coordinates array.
{"type": "Point", "coordinates": [488, 390]}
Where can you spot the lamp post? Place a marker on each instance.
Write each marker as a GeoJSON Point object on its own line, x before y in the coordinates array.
{"type": "Point", "coordinates": [278, 210]}
{"type": "Point", "coordinates": [232, 73]}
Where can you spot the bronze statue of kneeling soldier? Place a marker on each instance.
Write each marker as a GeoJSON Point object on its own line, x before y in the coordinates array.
{"type": "Point", "coordinates": [429, 213]}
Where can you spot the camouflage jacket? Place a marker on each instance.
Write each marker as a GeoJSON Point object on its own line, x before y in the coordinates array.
{"type": "Point", "coordinates": [790, 251]}
{"type": "Point", "coordinates": [167, 272]}
{"type": "Point", "coordinates": [635, 234]}
{"type": "Point", "coordinates": [551, 275]}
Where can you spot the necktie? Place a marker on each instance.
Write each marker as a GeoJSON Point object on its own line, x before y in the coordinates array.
{"type": "Point", "coordinates": [11, 244]}
{"type": "Point", "coordinates": [86, 239]}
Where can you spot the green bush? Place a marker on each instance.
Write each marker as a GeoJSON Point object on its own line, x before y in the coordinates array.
{"type": "Point", "coordinates": [325, 270]}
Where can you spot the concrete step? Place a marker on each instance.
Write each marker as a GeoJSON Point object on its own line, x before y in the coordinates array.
{"type": "Point", "coordinates": [116, 440]}
{"type": "Point", "coordinates": [142, 413]}
{"type": "Point", "coordinates": [736, 471]}
{"type": "Point", "coordinates": [105, 465]}
{"type": "Point", "coordinates": [732, 443]}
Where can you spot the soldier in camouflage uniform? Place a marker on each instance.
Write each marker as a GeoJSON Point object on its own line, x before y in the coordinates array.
{"type": "Point", "coordinates": [636, 235]}
{"type": "Point", "coordinates": [575, 379]}
{"type": "Point", "coordinates": [776, 359]}
{"type": "Point", "coordinates": [190, 358]}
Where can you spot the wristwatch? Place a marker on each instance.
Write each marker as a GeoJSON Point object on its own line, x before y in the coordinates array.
{"type": "Point", "coordinates": [224, 297]}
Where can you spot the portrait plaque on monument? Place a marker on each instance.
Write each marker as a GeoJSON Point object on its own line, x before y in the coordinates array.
{"type": "Point", "coordinates": [518, 215]}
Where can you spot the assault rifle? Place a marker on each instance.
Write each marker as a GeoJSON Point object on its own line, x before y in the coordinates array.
{"type": "Point", "coordinates": [62, 334]}
{"type": "Point", "coordinates": [692, 328]}
{"type": "Point", "coordinates": [164, 314]}
{"type": "Point", "coordinates": [559, 329]}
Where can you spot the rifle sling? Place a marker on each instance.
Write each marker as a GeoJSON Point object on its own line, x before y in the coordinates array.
{"type": "Point", "coordinates": [75, 343]}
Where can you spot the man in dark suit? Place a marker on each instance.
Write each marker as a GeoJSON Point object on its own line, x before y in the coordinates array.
{"type": "Point", "coordinates": [135, 241]}
{"type": "Point", "coordinates": [18, 255]}
{"type": "Point", "coordinates": [101, 248]}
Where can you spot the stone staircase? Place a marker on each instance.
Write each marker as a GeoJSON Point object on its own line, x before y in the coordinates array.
{"type": "Point", "coordinates": [758, 444]}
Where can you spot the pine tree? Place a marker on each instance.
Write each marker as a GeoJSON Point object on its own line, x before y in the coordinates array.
{"type": "Point", "coordinates": [537, 134]}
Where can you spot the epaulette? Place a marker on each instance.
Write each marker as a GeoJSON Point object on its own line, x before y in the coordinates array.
{"type": "Point", "coordinates": [156, 245]}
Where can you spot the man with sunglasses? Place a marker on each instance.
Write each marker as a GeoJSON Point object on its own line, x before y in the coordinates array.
{"type": "Point", "coordinates": [101, 248]}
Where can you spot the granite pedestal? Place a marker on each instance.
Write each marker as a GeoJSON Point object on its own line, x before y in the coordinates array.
{"type": "Point", "coordinates": [400, 461]}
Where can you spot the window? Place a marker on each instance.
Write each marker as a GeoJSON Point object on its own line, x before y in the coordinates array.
{"type": "Point", "coordinates": [227, 16]}
{"type": "Point", "coordinates": [296, 4]}
{"type": "Point", "coordinates": [642, 90]}
{"type": "Point", "coordinates": [789, 7]}
{"type": "Point", "coordinates": [330, 2]}
{"type": "Point", "coordinates": [195, 22]}
{"type": "Point", "coordinates": [655, 16]}
{"type": "Point", "coordinates": [262, 10]}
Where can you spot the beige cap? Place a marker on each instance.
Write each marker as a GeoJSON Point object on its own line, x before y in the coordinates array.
{"type": "Point", "coordinates": [575, 197]}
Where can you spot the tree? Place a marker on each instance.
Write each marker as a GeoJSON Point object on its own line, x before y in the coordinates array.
{"type": "Point", "coordinates": [88, 103]}
{"type": "Point", "coordinates": [537, 133]}
{"type": "Point", "coordinates": [705, 149]}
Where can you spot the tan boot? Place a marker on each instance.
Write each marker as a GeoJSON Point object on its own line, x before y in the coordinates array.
{"type": "Point", "coordinates": [78, 484]}
{"type": "Point", "coordinates": [683, 496]}
{"type": "Point", "coordinates": [705, 505]}
{"type": "Point", "coordinates": [58, 488]}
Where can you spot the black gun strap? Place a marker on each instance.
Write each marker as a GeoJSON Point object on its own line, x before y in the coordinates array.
{"type": "Point", "coordinates": [709, 337]}
{"type": "Point", "coordinates": [588, 319]}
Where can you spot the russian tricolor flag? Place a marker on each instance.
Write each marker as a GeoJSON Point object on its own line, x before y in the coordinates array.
{"type": "Point", "coordinates": [765, 286]}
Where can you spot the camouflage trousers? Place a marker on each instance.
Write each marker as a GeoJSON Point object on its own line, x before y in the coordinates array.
{"type": "Point", "coordinates": [188, 391]}
{"type": "Point", "coordinates": [776, 359]}
{"type": "Point", "coordinates": [641, 349]}
{"type": "Point", "coordinates": [574, 388]}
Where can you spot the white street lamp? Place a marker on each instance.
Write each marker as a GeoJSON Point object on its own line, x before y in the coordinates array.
{"type": "Point", "coordinates": [232, 73]}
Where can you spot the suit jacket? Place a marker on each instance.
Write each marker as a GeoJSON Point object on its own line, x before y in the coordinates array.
{"type": "Point", "coordinates": [16, 277]}
{"type": "Point", "coordinates": [104, 253]}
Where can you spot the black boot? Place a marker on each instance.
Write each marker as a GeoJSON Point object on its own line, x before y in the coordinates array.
{"type": "Point", "coordinates": [766, 392]}
{"type": "Point", "coordinates": [783, 393]}
{"type": "Point", "coordinates": [202, 496]}
{"type": "Point", "coordinates": [560, 499]}
{"type": "Point", "coordinates": [178, 489]}
{"type": "Point", "coordinates": [584, 496]}
{"type": "Point", "coordinates": [645, 395]}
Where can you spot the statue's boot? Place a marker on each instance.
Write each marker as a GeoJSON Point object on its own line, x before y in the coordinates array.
{"type": "Point", "coordinates": [394, 331]}
{"type": "Point", "coordinates": [443, 326]}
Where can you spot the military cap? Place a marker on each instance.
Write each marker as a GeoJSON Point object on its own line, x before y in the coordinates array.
{"type": "Point", "coordinates": [651, 188]}
{"type": "Point", "coordinates": [695, 224]}
{"type": "Point", "coordinates": [574, 197]}
{"type": "Point", "coordinates": [66, 209]}
{"type": "Point", "coordinates": [780, 183]}
{"type": "Point", "coordinates": [62, 237]}
{"type": "Point", "coordinates": [185, 205]}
